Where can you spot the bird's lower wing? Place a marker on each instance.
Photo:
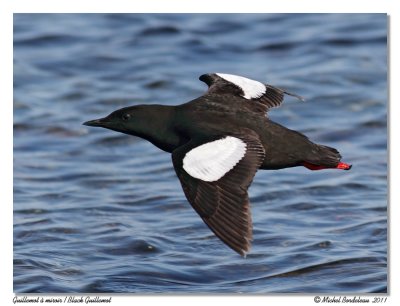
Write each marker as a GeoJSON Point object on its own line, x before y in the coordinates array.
{"type": "Point", "coordinates": [215, 174]}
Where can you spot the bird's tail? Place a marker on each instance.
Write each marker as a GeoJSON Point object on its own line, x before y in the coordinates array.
{"type": "Point", "coordinates": [325, 158]}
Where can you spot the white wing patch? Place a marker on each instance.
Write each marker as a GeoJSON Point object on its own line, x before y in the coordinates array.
{"type": "Point", "coordinates": [211, 161]}
{"type": "Point", "coordinates": [251, 89]}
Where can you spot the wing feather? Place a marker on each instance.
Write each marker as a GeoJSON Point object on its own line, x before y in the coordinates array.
{"type": "Point", "coordinates": [264, 95]}
{"type": "Point", "coordinates": [224, 204]}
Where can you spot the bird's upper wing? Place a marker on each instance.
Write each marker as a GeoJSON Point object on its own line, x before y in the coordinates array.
{"type": "Point", "coordinates": [215, 174]}
{"type": "Point", "coordinates": [227, 84]}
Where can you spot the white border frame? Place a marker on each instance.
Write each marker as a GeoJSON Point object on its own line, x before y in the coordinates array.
{"type": "Point", "coordinates": [8, 7]}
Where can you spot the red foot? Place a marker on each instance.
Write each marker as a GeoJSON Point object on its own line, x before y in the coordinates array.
{"type": "Point", "coordinates": [341, 165]}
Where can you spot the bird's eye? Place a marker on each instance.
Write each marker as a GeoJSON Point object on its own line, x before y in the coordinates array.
{"type": "Point", "coordinates": [126, 116]}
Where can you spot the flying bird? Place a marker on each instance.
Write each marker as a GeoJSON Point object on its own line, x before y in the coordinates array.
{"type": "Point", "coordinates": [218, 142]}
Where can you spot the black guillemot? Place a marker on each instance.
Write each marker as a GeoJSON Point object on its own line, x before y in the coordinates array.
{"type": "Point", "coordinates": [218, 142]}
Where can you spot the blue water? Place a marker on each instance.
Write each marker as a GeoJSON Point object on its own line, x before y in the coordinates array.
{"type": "Point", "coordinates": [98, 211]}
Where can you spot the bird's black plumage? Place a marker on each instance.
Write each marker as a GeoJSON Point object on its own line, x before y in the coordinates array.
{"type": "Point", "coordinates": [218, 142]}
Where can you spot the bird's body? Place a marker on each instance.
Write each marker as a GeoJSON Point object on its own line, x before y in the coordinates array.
{"type": "Point", "coordinates": [218, 142]}
{"type": "Point", "coordinates": [285, 147]}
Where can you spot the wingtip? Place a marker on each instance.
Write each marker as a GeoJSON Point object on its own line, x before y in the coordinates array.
{"type": "Point", "coordinates": [207, 78]}
{"type": "Point", "coordinates": [243, 252]}
{"type": "Point", "coordinates": [245, 249]}
{"type": "Point", "coordinates": [302, 99]}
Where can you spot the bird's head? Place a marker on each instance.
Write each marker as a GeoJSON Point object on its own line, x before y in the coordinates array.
{"type": "Point", "coordinates": [145, 121]}
{"type": "Point", "coordinates": [133, 120]}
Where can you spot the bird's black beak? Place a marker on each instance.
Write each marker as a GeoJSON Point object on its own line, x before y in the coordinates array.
{"type": "Point", "coordinates": [97, 122]}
